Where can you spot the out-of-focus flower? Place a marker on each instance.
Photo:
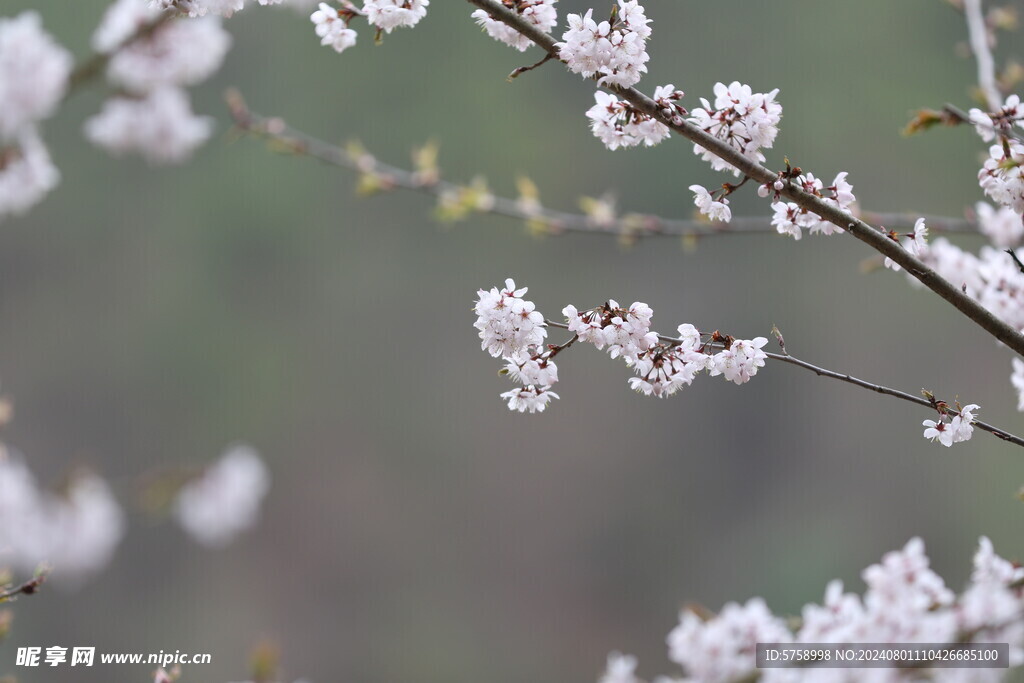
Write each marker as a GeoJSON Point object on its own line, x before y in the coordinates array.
{"type": "Point", "coordinates": [34, 73]}
{"type": "Point", "coordinates": [76, 531]}
{"type": "Point", "coordinates": [225, 500]}
{"type": "Point", "coordinates": [160, 127]}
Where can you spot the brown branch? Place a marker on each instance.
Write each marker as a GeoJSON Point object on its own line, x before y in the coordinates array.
{"type": "Point", "coordinates": [631, 225]}
{"type": "Point", "coordinates": [931, 404]}
{"type": "Point", "coordinates": [870, 235]}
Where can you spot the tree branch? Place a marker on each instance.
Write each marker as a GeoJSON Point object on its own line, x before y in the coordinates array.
{"type": "Point", "coordinates": [978, 36]}
{"type": "Point", "coordinates": [631, 225]}
{"type": "Point", "coordinates": [866, 233]}
{"type": "Point", "coordinates": [8, 593]}
{"type": "Point", "coordinates": [931, 404]}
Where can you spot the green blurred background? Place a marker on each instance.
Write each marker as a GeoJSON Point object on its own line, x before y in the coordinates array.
{"type": "Point", "coordinates": [416, 529]}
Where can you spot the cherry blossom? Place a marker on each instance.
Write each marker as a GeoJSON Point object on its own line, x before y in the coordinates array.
{"type": "Point", "coordinates": [716, 210]}
{"type": "Point", "coordinates": [905, 601]}
{"type": "Point", "coordinates": [1002, 175]}
{"type": "Point", "coordinates": [959, 427]}
{"type": "Point", "coordinates": [177, 53]}
{"type": "Point", "coordinates": [746, 120]}
{"type": "Point", "coordinates": [1017, 379]}
{"type": "Point", "coordinates": [620, 669]}
{"type": "Point", "coordinates": [617, 123]}
{"type": "Point", "coordinates": [200, 8]}
{"type": "Point", "coordinates": [76, 531]}
{"type": "Point", "coordinates": [989, 125]}
{"type": "Point", "coordinates": [791, 219]}
{"type": "Point", "coordinates": [26, 173]}
{"type": "Point", "coordinates": [741, 360]}
{"type": "Point", "coordinates": [616, 52]}
{"type": "Point", "coordinates": [916, 243]}
{"type": "Point", "coordinates": [508, 324]}
{"type": "Point", "coordinates": [332, 29]}
{"type": "Point", "coordinates": [160, 127]}
{"type": "Point", "coordinates": [529, 398]}
{"type": "Point", "coordinates": [722, 649]}
{"type": "Point", "coordinates": [1002, 226]}
{"type": "Point", "coordinates": [541, 13]}
{"type": "Point", "coordinates": [388, 15]}
{"type": "Point", "coordinates": [225, 500]}
{"type": "Point", "coordinates": [34, 73]}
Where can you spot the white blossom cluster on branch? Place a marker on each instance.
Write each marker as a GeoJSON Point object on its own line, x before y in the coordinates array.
{"type": "Point", "coordinates": [617, 123]}
{"type": "Point", "coordinates": [614, 51]}
{"type": "Point", "coordinates": [791, 219]}
{"type": "Point", "coordinates": [152, 116]}
{"type": "Point", "coordinates": [540, 13]}
{"type": "Point", "coordinates": [224, 8]}
{"type": "Point", "coordinates": [510, 327]}
{"type": "Point", "coordinates": [746, 120]}
{"type": "Point", "coordinates": [332, 24]}
{"type": "Point", "coordinates": [905, 602]}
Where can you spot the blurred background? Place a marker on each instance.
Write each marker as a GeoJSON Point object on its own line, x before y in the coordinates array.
{"type": "Point", "coordinates": [416, 530]}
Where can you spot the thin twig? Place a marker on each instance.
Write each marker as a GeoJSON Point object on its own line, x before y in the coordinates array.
{"type": "Point", "coordinates": [978, 36]}
{"type": "Point", "coordinates": [866, 233]}
{"type": "Point", "coordinates": [523, 69]}
{"type": "Point", "coordinates": [28, 588]}
{"type": "Point", "coordinates": [864, 384]}
{"type": "Point", "coordinates": [632, 225]}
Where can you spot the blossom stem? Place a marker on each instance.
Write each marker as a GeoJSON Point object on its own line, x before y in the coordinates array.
{"type": "Point", "coordinates": [849, 379]}
{"type": "Point", "coordinates": [870, 235]}
{"type": "Point", "coordinates": [633, 225]}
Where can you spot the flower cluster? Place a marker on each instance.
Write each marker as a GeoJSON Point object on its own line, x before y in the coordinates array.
{"type": "Point", "coordinates": [791, 219]}
{"type": "Point", "coordinates": [905, 602]}
{"type": "Point", "coordinates": [332, 25]}
{"type": "Point", "coordinates": [26, 173]}
{"type": "Point", "coordinates": [153, 117]}
{"type": "Point", "coordinates": [1003, 226]}
{"type": "Point", "coordinates": [913, 242]}
{"type": "Point", "coordinates": [511, 328]}
{"type": "Point", "coordinates": [950, 429]}
{"type": "Point", "coordinates": [76, 530]}
{"type": "Point", "coordinates": [541, 13]}
{"type": "Point", "coordinates": [1002, 174]}
{"type": "Point", "coordinates": [746, 120]}
{"type": "Point", "coordinates": [160, 126]}
{"type": "Point", "coordinates": [614, 50]}
{"type": "Point", "coordinates": [617, 123]}
{"type": "Point", "coordinates": [1000, 123]}
{"type": "Point", "coordinates": [715, 209]}
{"type": "Point", "coordinates": [34, 72]}
{"type": "Point", "coordinates": [388, 15]}
{"type": "Point", "coordinates": [201, 8]}
{"type": "Point", "coordinates": [225, 500]}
